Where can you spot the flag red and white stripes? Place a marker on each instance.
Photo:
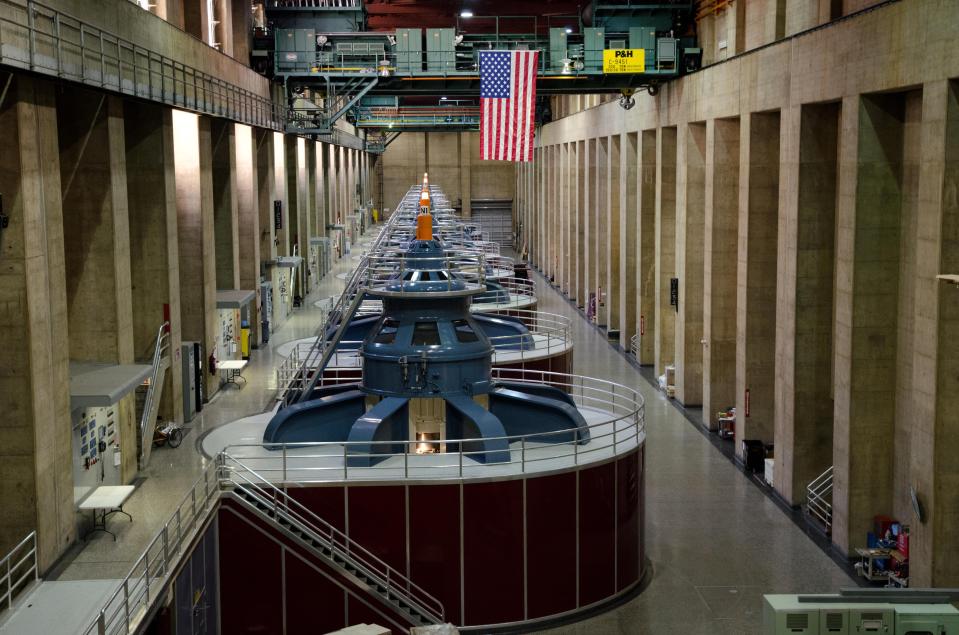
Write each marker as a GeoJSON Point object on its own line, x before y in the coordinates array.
{"type": "Point", "coordinates": [507, 104]}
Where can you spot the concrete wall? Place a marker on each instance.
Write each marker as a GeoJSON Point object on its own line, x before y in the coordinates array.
{"type": "Point", "coordinates": [803, 196]}
{"type": "Point", "coordinates": [452, 160]}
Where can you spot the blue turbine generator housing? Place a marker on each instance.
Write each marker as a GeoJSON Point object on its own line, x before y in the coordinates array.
{"type": "Point", "coordinates": [427, 384]}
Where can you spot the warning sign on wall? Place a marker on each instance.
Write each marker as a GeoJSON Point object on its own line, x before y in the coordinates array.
{"type": "Point", "coordinates": [624, 60]}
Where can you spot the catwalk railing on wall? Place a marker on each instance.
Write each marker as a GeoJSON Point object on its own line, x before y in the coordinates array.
{"type": "Point", "coordinates": [39, 38]}
{"type": "Point", "coordinates": [621, 428]}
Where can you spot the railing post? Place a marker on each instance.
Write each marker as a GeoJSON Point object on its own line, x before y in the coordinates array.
{"type": "Point", "coordinates": [523, 455]}
{"type": "Point", "coordinates": [284, 463]}
{"type": "Point", "coordinates": [102, 622]}
{"type": "Point", "coordinates": [126, 602]}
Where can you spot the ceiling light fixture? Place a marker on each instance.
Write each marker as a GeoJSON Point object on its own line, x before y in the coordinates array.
{"type": "Point", "coordinates": [466, 14]}
{"type": "Point", "coordinates": [569, 30]}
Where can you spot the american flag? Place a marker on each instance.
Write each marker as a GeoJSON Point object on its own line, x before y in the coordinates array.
{"type": "Point", "coordinates": [507, 100]}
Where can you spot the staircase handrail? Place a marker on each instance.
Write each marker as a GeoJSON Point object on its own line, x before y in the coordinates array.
{"type": "Point", "coordinates": [337, 541]}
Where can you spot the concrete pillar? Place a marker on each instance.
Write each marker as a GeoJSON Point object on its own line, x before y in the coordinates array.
{"type": "Point", "coordinates": [589, 220]}
{"type": "Point", "coordinates": [225, 214]}
{"type": "Point", "coordinates": [297, 212]}
{"type": "Point", "coordinates": [248, 215]}
{"type": "Point", "coordinates": [223, 26]}
{"type": "Point", "coordinates": [192, 146]}
{"type": "Point", "coordinates": [96, 231]}
{"type": "Point", "coordinates": [582, 245]}
{"type": "Point", "coordinates": [805, 270]}
{"type": "Point", "coordinates": [171, 11]}
{"type": "Point", "coordinates": [572, 229]}
{"type": "Point", "coordinates": [97, 242]}
{"type": "Point", "coordinates": [465, 179]}
{"type": "Point", "coordinates": [867, 309]}
{"type": "Point", "coordinates": [35, 441]}
{"type": "Point", "coordinates": [241, 20]}
{"type": "Point", "coordinates": [666, 156]}
{"type": "Point", "coordinates": [690, 224]}
{"type": "Point", "coordinates": [720, 267]}
{"type": "Point", "coordinates": [567, 262]}
{"type": "Point", "coordinates": [646, 240]}
{"type": "Point", "coordinates": [628, 237]}
{"type": "Point", "coordinates": [759, 195]}
{"type": "Point", "coordinates": [600, 213]}
{"type": "Point", "coordinates": [933, 544]}
{"type": "Point", "coordinates": [154, 253]}
{"type": "Point", "coordinates": [614, 233]}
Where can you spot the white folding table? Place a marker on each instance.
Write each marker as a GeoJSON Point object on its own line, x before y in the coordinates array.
{"type": "Point", "coordinates": [231, 370]}
{"type": "Point", "coordinates": [106, 500]}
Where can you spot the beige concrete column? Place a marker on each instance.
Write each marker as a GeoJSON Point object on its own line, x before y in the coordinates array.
{"type": "Point", "coordinates": [870, 255]}
{"type": "Point", "coordinates": [601, 247]}
{"type": "Point", "coordinates": [97, 242]}
{"type": "Point", "coordinates": [614, 233]}
{"type": "Point", "coordinates": [759, 196]}
{"type": "Point", "coordinates": [690, 210]}
{"type": "Point", "coordinates": [154, 253]}
{"type": "Point", "coordinates": [192, 145]}
{"type": "Point", "coordinates": [666, 157]}
{"type": "Point", "coordinates": [581, 224]}
{"type": "Point", "coordinates": [297, 201]}
{"type": "Point", "coordinates": [223, 26]}
{"type": "Point", "coordinates": [35, 441]}
{"type": "Point", "coordinates": [934, 544]}
{"type": "Point", "coordinates": [225, 214]}
{"type": "Point", "coordinates": [804, 311]}
{"type": "Point", "coordinates": [241, 19]}
{"type": "Point", "coordinates": [171, 11]}
{"type": "Point", "coordinates": [628, 237]}
{"type": "Point", "coordinates": [646, 241]}
{"type": "Point", "coordinates": [572, 228]}
{"type": "Point", "coordinates": [96, 231]}
{"type": "Point", "coordinates": [719, 272]}
{"type": "Point", "coordinates": [265, 192]}
{"type": "Point", "coordinates": [248, 214]}
{"type": "Point", "coordinates": [280, 163]}
{"type": "Point", "coordinates": [465, 178]}
{"type": "Point", "coordinates": [589, 219]}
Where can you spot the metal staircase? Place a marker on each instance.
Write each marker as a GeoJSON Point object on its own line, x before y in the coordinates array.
{"type": "Point", "coordinates": [393, 589]}
{"type": "Point", "coordinates": [301, 386]}
{"type": "Point", "coordinates": [154, 390]}
{"type": "Point", "coordinates": [819, 499]}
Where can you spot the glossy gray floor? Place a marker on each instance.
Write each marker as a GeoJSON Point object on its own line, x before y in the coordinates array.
{"type": "Point", "coordinates": [715, 541]}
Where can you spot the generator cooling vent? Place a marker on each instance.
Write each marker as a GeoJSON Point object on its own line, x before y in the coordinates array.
{"type": "Point", "coordinates": [797, 621]}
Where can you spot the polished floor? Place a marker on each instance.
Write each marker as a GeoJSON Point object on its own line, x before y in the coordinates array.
{"type": "Point", "coordinates": [716, 542]}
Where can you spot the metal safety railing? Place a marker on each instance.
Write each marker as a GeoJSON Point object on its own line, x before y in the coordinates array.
{"type": "Point", "coordinates": [126, 608]}
{"type": "Point", "coordinates": [548, 334]}
{"type": "Point", "coordinates": [45, 40]}
{"type": "Point", "coordinates": [159, 365]}
{"type": "Point", "coordinates": [819, 498]}
{"type": "Point", "coordinates": [323, 535]}
{"type": "Point", "coordinates": [618, 424]}
{"type": "Point", "coordinates": [18, 569]}
{"type": "Point", "coordinates": [142, 586]}
{"type": "Point", "coordinates": [512, 292]}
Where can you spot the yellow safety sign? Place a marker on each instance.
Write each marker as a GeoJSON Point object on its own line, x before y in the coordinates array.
{"type": "Point", "coordinates": [624, 61]}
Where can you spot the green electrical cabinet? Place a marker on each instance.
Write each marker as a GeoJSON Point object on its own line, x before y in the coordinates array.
{"type": "Point", "coordinates": [557, 48]}
{"type": "Point", "coordinates": [594, 41]}
{"type": "Point", "coordinates": [409, 50]}
{"type": "Point", "coordinates": [440, 53]}
{"type": "Point", "coordinates": [295, 49]}
{"type": "Point", "coordinates": [644, 37]}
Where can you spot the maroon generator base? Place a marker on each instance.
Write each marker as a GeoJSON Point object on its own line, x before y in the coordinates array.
{"type": "Point", "coordinates": [494, 551]}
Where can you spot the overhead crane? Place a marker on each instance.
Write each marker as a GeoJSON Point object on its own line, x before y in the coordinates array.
{"type": "Point", "coordinates": [332, 67]}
